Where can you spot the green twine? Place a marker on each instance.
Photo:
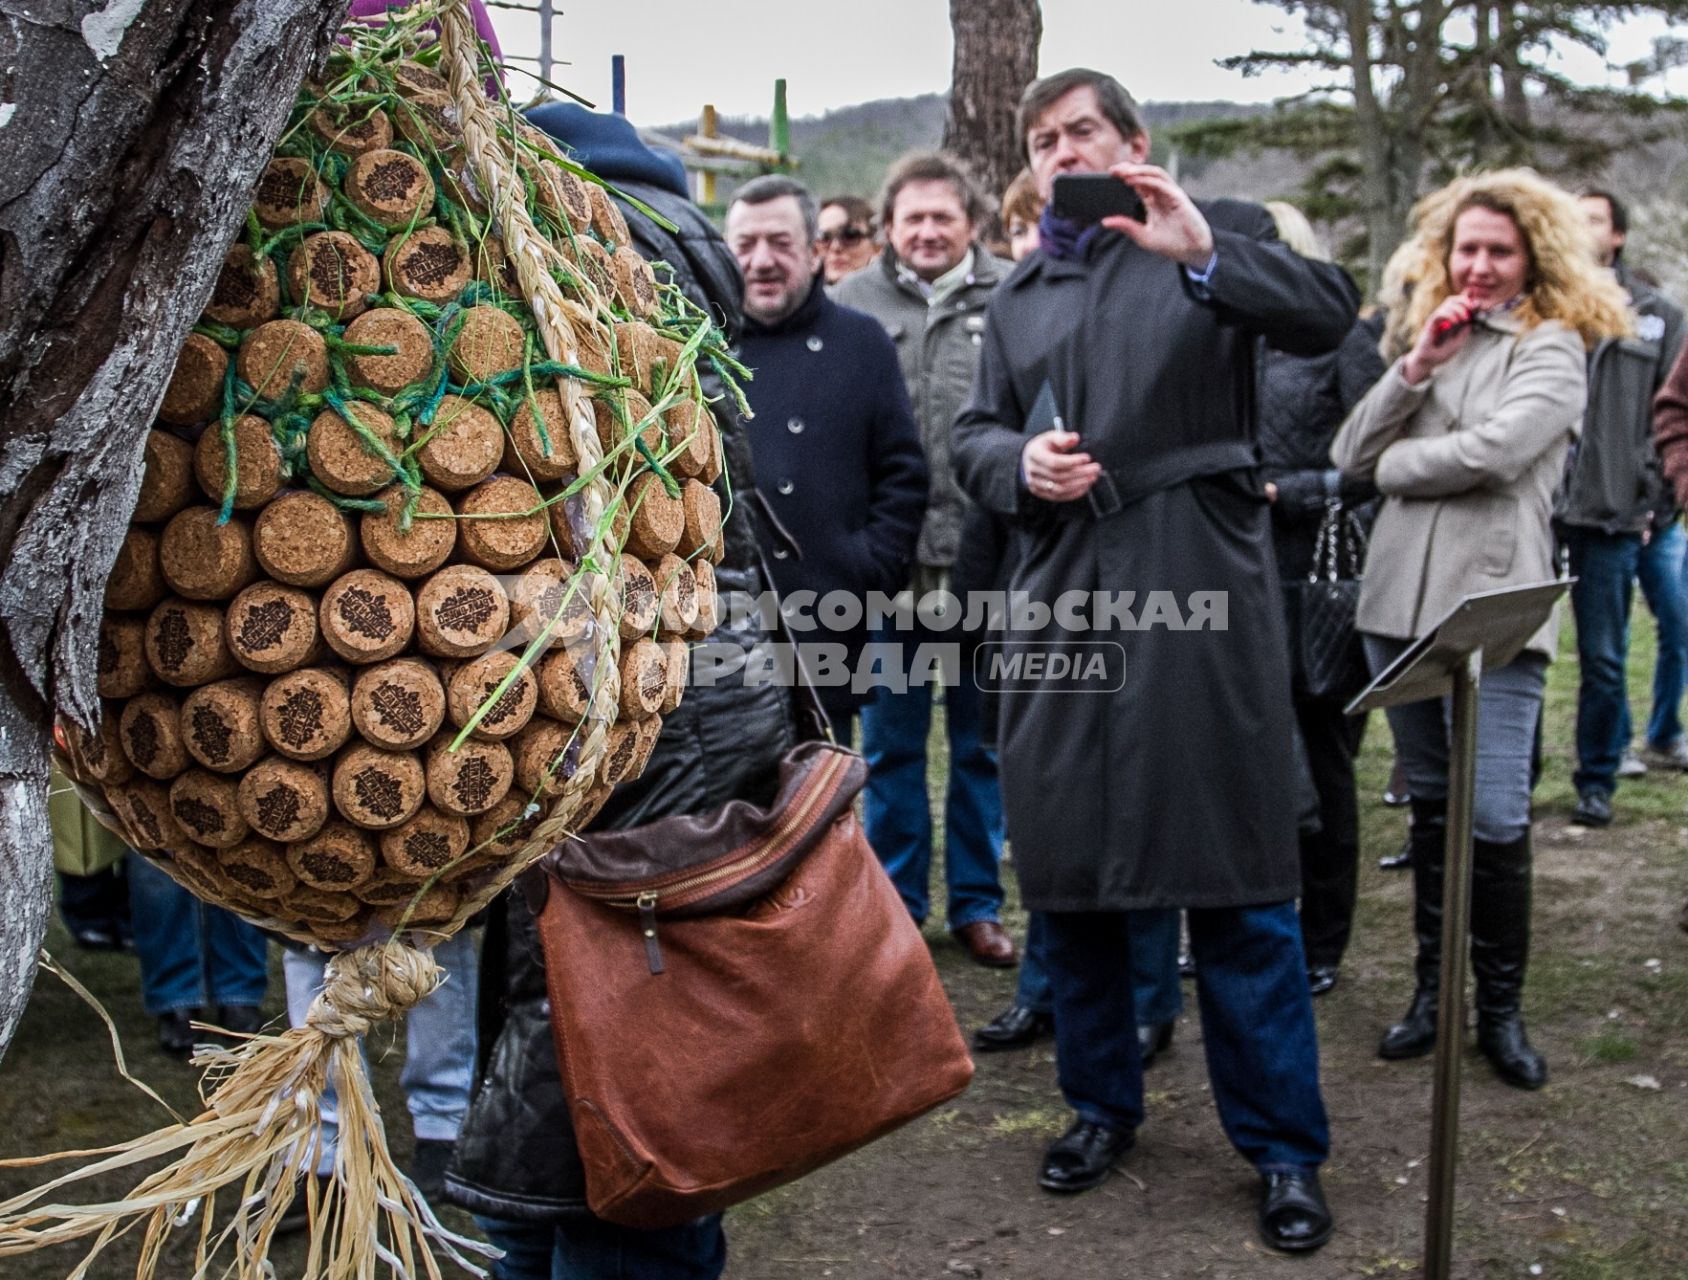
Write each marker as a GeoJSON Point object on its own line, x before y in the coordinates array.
{"type": "Point", "coordinates": [372, 443]}
{"type": "Point", "coordinates": [532, 397]}
{"type": "Point", "coordinates": [230, 479]}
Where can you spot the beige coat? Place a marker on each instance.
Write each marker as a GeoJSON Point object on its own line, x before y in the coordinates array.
{"type": "Point", "coordinates": [1468, 462]}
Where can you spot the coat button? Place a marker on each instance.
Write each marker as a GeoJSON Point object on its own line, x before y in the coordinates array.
{"type": "Point", "coordinates": [785, 486]}
{"type": "Point", "coordinates": [795, 426]}
{"type": "Point", "coordinates": [780, 553]}
{"type": "Point", "coordinates": [814, 343]}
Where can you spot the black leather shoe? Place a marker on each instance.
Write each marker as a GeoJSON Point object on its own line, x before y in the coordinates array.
{"type": "Point", "coordinates": [428, 1166]}
{"type": "Point", "coordinates": [1401, 859]}
{"type": "Point", "coordinates": [1509, 1052]}
{"type": "Point", "coordinates": [175, 1036]}
{"type": "Point", "coordinates": [242, 1019]}
{"type": "Point", "coordinates": [1321, 978]}
{"type": "Point", "coordinates": [1594, 808]}
{"type": "Point", "coordinates": [1083, 1157]}
{"type": "Point", "coordinates": [1153, 1040]}
{"type": "Point", "coordinates": [1293, 1214]}
{"type": "Point", "coordinates": [1415, 1034]}
{"type": "Point", "coordinates": [1014, 1028]}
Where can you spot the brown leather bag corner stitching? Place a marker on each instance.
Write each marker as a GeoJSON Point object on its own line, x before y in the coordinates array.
{"type": "Point", "coordinates": [738, 998]}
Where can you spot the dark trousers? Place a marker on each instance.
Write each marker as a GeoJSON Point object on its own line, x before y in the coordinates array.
{"type": "Point", "coordinates": [1257, 1027]}
{"type": "Point", "coordinates": [1605, 565]}
{"type": "Point", "coordinates": [1330, 855]}
{"type": "Point", "coordinates": [587, 1248]}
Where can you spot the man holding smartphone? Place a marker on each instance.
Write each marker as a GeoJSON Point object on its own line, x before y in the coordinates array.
{"type": "Point", "coordinates": [1112, 422]}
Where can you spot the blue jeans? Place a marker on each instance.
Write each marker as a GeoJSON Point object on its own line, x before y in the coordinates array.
{"type": "Point", "coordinates": [1660, 573]}
{"type": "Point", "coordinates": [193, 955]}
{"type": "Point", "coordinates": [1508, 709]}
{"type": "Point", "coordinates": [1156, 991]}
{"type": "Point", "coordinates": [439, 1051]}
{"type": "Point", "coordinates": [592, 1249]}
{"type": "Point", "coordinates": [1605, 566]}
{"type": "Point", "coordinates": [899, 812]}
{"type": "Point", "coordinates": [1257, 1027]}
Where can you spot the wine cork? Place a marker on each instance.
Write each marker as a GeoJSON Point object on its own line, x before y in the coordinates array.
{"type": "Point", "coordinates": [645, 737]}
{"type": "Point", "coordinates": [306, 714]}
{"type": "Point", "coordinates": [208, 808]}
{"type": "Point", "coordinates": [220, 724]}
{"type": "Point", "coordinates": [617, 412]}
{"type": "Point", "coordinates": [593, 261]}
{"type": "Point", "coordinates": [166, 478]}
{"type": "Point", "coordinates": [717, 464]}
{"type": "Point", "coordinates": [409, 363]}
{"type": "Point", "coordinates": [635, 282]}
{"type": "Point", "coordinates": [461, 612]}
{"type": "Point", "coordinates": [271, 628]}
{"type": "Point", "coordinates": [185, 645]}
{"type": "Point", "coordinates": [500, 832]}
{"type": "Point", "coordinates": [426, 845]}
{"type": "Point", "coordinates": [463, 445]}
{"type": "Point", "coordinates": [563, 691]}
{"type": "Point", "coordinates": [367, 616]}
{"type": "Point", "coordinates": [351, 130]}
{"type": "Point", "coordinates": [708, 602]}
{"type": "Point", "coordinates": [247, 292]}
{"type": "Point", "coordinates": [644, 676]}
{"type": "Point", "coordinates": [302, 539]}
{"type": "Point", "coordinates": [377, 789]}
{"type": "Point", "coordinates": [197, 871]}
{"type": "Point", "coordinates": [413, 79]}
{"type": "Point", "coordinates": [700, 537]}
{"type": "Point", "coordinates": [259, 867]}
{"type": "Point", "coordinates": [318, 907]}
{"type": "Point", "coordinates": [639, 600]}
{"type": "Point", "coordinates": [607, 223]}
{"type": "Point", "coordinates": [289, 192]}
{"type": "Point", "coordinates": [121, 663]}
{"type": "Point", "coordinates": [655, 520]}
{"type": "Point", "coordinates": [344, 460]}
{"type": "Point", "coordinates": [332, 272]}
{"type": "Point", "coordinates": [137, 579]}
{"type": "Point", "coordinates": [335, 860]}
{"type": "Point", "coordinates": [195, 392]}
{"type": "Point", "coordinates": [676, 673]}
{"type": "Point", "coordinates": [503, 523]}
{"type": "Point", "coordinates": [143, 807]}
{"type": "Point", "coordinates": [428, 264]}
{"type": "Point", "coordinates": [152, 736]}
{"type": "Point", "coordinates": [387, 887]}
{"type": "Point", "coordinates": [563, 194]}
{"type": "Point", "coordinates": [469, 780]}
{"type": "Point", "coordinates": [541, 597]}
{"type": "Point", "coordinates": [99, 756]}
{"type": "Point", "coordinates": [284, 800]}
{"type": "Point", "coordinates": [525, 453]}
{"type": "Point", "coordinates": [278, 354]}
{"type": "Point", "coordinates": [390, 188]}
{"type": "Point", "coordinates": [399, 704]}
{"type": "Point", "coordinates": [676, 586]}
{"type": "Point", "coordinates": [204, 560]}
{"type": "Point", "coordinates": [489, 341]}
{"type": "Point", "coordinates": [647, 357]}
{"type": "Point", "coordinates": [414, 552]}
{"type": "Point", "coordinates": [435, 905]}
{"type": "Point", "coordinates": [561, 513]}
{"type": "Point", "coordinates": [457, 183]}
{"type": "Point", "coordinates": [592, 348]}
{"type": "Point", "coordinates": [429, 120]}
{"type": "Point", "coordinates": [689, 448]}
{"type": "Point", "coordinates": [542, 758]}
{"type": "Point", "coordinates": [493, 265]}
{"type": "Point", "coordinates": [257, 462]}
{"type": "Point", "coordinates": [474, 683]}
{"type": "Point", "coordinates": [620, 750]}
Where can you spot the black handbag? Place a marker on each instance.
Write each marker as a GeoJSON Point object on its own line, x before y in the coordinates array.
{"type": "Point", "coordinates": [1329, 660]}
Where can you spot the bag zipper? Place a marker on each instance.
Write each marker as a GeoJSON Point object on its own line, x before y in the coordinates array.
{"type": "Point", "coordinates": [765, 851]}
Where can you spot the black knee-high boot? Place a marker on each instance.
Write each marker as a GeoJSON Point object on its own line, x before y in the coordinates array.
{"type": "Point", "coordinates": [1415, 1034]}
{"type": "Point", "coordinates": [1500, 950]}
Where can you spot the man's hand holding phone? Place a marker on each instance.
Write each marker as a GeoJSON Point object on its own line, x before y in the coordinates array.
{"type": "Point", "coordinates": [1053, 471]}
{"type": "Point", "coordinates": [1173, 227]}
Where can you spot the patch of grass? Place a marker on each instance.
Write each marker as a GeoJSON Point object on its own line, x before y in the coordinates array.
{"type": "Point", "coordinates": [1610, 1047]}
{"type": "Point", "coordinates": [1034, 1120]}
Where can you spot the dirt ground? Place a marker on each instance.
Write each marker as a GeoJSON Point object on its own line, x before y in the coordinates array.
{"type": "Point", "coordinates": [1586, 1180]}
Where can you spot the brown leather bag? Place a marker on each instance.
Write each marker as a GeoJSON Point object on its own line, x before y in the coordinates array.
{"type": "Point", "coordinates": [738, 998]}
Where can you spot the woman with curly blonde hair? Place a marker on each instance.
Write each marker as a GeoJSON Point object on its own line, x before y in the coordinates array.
{"type": "Point", "coordinates": [1494, 301]}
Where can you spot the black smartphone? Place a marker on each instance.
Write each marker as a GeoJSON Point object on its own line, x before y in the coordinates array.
{"type": "Point", "coordinates": [1090, 197]}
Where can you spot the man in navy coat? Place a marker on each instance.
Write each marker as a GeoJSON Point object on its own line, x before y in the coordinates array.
{"type": "Point", "coordinates": [836, 450]}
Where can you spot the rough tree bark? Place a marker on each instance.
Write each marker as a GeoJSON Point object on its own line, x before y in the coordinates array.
{"type": "Point", "coordinates": [995, 59]}
{"type": "Point", "coordinates": [133, 132]}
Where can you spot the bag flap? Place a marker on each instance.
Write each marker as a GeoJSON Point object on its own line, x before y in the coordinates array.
{"type": "Point", "coordinates": [692, 863]}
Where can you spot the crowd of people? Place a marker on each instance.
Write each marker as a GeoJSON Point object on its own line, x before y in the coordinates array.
{"type": "Point", "coordinates": [1138, 434]}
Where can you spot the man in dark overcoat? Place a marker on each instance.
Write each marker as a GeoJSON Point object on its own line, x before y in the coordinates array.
{"type": "Point", "coordinates": [1112, 423]}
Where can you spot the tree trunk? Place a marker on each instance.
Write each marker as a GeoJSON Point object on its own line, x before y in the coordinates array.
{"type": "Point", "coordinates": [995, 59]}
{"type": "Point", "coordinates": [134, 134]}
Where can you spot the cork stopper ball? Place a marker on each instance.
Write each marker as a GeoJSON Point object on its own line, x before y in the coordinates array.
{"type": "Point", "coordinates": [351, 130]}
{"type": "Point", "coordinates": [257, 462]}
{"type": "Point", "coordinates": [166, 478]}
{"type": "Point", "coordinates": [526, 453]}
{"type": "Point", "coordinates": [272, 628]}
{"type": "Point", "coordinates": [289, 192]}
{"type": "Point", "coordinates": [419, 550]}
{"type": "Point", "coordinates": [220, 724]}
{"type": "Point", "coordinates": [475, 683]}
{"type": "Point", "coordinates": [306, 714]}
{"type": "Point", "coordinates": [137, 579]}
{"type": "Point", "coordinates": [410, 361]}
{"type": "Point", "coordinates": [195, 391]}
{"type": "Point", "coordinates": [462, 446]}
{"type": "Point", "coordinates": [121, 663]}
{"type": "Point", "coordinates": [367, 616]}
{"type": "Point", "coordinates": [203, 559]}
{"type": "Point", "coordinates": [426, 845]}
{"type": "Point", "coordinates": [150, 730]}
{"type": "Point", "coordinates": [279, 354]}
{"type": "Point", "coordinates": [656, 520]}
{"type": "Point", "coordinates": [303, 540]}
{"type": "Point", "coordinates": [489, 341]}
{"type": "Point", "coordinates": [461, 612]}
{"type": "Point", "coordinates": [355, 457]}
{"type": "Point", "coordinates": [503, 524]}
{"type": "Point", "coordinates": [185, 645]}
{"type": "Point", "coordinates": [247, 292]}
{"type": "Point", "coordinates": [259, 867]}
{"type": "Point", "coordinates": [284, 800]}
{"type": "Point", "coordinates": [377, 789]}
{"type": "Point", "coordinates": [398, 704]}
{"type": "Point", "coordinates": [336, 859]}
{"type": "Point", "coordinates": [427, 264]}
{"type": "Point", "coordinates": [332, 272]}
{"type": "Point", "coordinates": [208, 808]}
{"type": "Point", "coordinates": [469, 780]}
{"type": "Point", "coordinates": [390, 188]}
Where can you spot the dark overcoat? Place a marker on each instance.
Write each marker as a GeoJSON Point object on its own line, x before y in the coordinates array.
{"type": "Point", "coordinates": [1176, 788]}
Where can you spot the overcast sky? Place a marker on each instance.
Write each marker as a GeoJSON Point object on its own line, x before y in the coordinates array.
{"type": "Point", "coordinates": [683, 53]}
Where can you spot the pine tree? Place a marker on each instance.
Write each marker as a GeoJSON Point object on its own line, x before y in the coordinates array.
{"type": "Point", "coordinates": [995, 59]}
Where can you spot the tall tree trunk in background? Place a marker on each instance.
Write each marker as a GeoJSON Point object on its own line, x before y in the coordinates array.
{"type": "Point", "coordinates": [995, 59]}
{"type": "Point", "coordinates": [134, 131]}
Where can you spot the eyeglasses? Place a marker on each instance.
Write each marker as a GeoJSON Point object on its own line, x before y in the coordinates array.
{"type": "Point", "coordinates": [844, 235]}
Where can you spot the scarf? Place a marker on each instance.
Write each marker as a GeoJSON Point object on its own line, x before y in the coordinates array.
{"type": "Point", "coordinates": [1062, 237]}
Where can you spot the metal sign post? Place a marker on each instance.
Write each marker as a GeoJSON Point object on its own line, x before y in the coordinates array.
{"type": "Point", "coordinates": [1483, 631]}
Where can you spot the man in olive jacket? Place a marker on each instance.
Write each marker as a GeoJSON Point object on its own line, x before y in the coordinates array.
{"type": "Point", "coordinates": [1120, 442]}
{"type": "Point", "coordinates": [929, 289]}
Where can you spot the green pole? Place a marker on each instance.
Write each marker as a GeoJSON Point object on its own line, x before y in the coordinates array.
{"type": "Point", "coordinates": [779, 124]}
